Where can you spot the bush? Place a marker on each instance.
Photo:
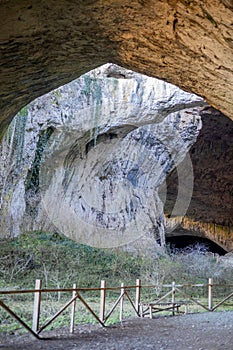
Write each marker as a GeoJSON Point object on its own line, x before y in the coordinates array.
{"type": "Point", "coordinates": [193, 264]}
{"type": "Point", "coordinates": [60, 262]}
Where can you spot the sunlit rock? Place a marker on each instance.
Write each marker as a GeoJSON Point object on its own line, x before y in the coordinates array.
{"type": "Point", "coordinates": [87, 159]}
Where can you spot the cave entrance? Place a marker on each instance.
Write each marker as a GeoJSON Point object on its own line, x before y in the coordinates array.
{"type": "Point", "coordinates": [184, 241]}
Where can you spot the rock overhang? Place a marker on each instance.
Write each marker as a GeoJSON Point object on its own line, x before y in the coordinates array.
{"type": "Point", "coordinates": [45, 45]}
{"type": "Point", "coordinates": [82, 132]}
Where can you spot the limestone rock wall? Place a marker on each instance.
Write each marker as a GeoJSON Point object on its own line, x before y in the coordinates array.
{"type": "Point", "coordinates": [88, 158]}
{"type": "Point", "coordinates": [210, 211]}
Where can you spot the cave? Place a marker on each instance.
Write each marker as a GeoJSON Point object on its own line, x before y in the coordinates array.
{"type": "Point", "coordinates": [179, 243]}
{"type": "Point", "coordinates": [47, 44]}
{"type": "Point", "coordinates": [109, 142]}
{"type": "Point", "coordinates": [87, 143]}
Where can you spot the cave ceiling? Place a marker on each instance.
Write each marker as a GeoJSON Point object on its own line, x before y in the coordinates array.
{"type": "Point", "coordinates": [45, 44]}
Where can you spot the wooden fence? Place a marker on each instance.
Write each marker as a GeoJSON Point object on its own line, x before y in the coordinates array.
{"type": "Point", "coordinates": [142, 305]}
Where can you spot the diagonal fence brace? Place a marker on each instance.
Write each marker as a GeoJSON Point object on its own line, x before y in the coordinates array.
{"type": "Point", "coordinates": [4, 306]}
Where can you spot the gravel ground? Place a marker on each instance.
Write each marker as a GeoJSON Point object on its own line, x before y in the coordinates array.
{"type": "Point", "coordinates": [204, 331]}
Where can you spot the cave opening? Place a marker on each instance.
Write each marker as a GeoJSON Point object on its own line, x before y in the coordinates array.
{"type": "Point", "coordinates": [179, 243]}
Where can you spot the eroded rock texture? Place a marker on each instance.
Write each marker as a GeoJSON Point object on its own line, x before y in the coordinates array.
{"type": "Point", "coordinates": [81, 159]}
{"type": "Point", "coordinates": [47, 43]}
{"type": "Point", "coordinates": [210, 211]}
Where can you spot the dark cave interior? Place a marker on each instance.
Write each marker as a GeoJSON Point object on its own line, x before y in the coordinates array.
{"type": "Point", "coordinates": [185, 241]}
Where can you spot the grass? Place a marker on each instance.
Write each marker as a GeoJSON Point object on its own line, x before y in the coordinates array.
{"type": "Point", "coordinates": [60, 262]}
{"type": "Point", "coordinates": [82, 315]}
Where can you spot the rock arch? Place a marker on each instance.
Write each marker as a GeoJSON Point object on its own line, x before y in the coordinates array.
{"type": "Point", "coordinates": [82, 160]}
{"type": "Point", "coordinates": [46, 44]}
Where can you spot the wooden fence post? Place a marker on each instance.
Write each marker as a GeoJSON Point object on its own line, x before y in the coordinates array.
{"type": "Point", "coordinates": [173, 292]}
{"type": "Point", "coordinates": [138, 296]}
{"type": "Point", "coordinates": [36, 307]}
{"type": "Point", "coordinates": [73, 306]}
{"type": "Point", "coordinates": [122, 301]}
{"type": "Point", "coordinates": [210, 294]}
{"type": "Point", "coordinates": [173, 297]}
{"type": "Point", "coordinates": [102, 300]}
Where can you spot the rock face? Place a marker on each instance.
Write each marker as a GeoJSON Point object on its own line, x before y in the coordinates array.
{"type": "Point", "coordinates": [210, 211]}
{"type": "Point", "coordinates": [48, 43]}
{"type": "Point", "coordinates": [88, 158]}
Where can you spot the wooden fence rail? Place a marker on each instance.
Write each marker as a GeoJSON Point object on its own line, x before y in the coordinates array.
{"type": "Point", "coordinates": [168, 302]}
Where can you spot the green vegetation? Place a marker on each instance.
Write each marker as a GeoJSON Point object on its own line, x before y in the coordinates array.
{"type": "Point", "coordinates": [92, 87]}
{"type": "Point", "coordinates": [60, 262]}
{"type": "Point", "coordinates": [23, 112]}
{"type": "Point", "coordinates": [32, 181]}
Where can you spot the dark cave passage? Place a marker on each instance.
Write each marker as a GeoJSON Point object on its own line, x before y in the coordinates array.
{"type": "Point", "coordinates": [182, 242]}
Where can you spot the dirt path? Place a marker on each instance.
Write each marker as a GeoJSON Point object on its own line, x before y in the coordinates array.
{"type": "Point", "coordinates": [206, 331]}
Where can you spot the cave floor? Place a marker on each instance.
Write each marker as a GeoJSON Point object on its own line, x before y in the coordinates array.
{"type": "Point", "coordinates": [203, 331]}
